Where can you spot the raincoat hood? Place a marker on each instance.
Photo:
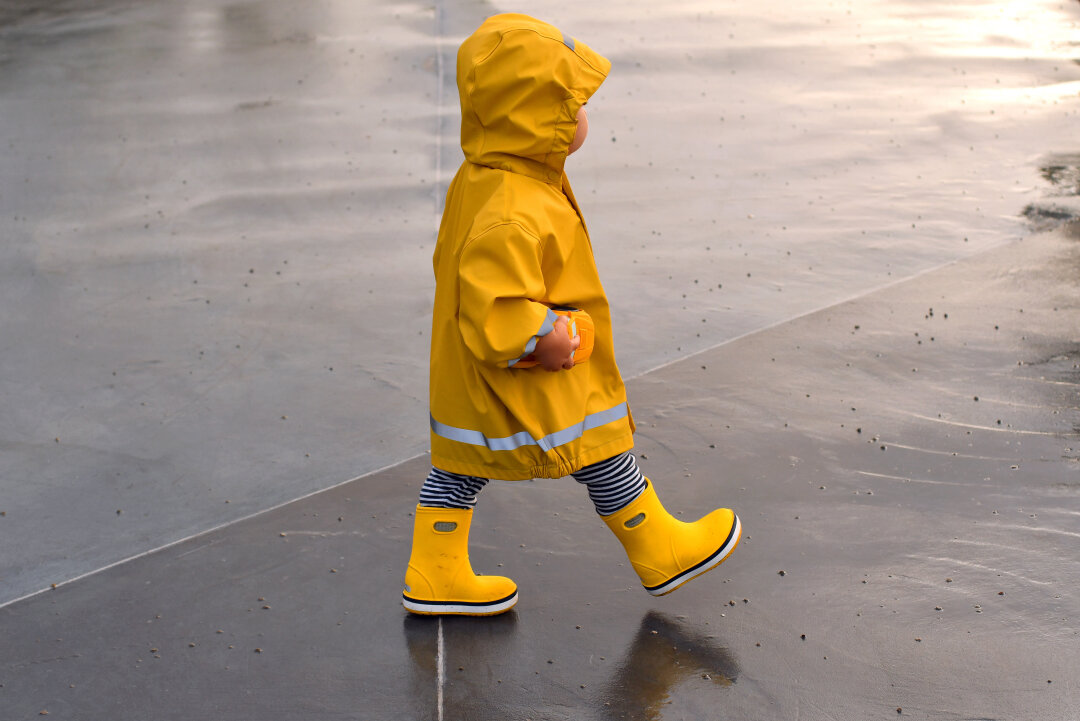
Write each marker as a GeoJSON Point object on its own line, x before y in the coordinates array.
{"type": "Point", "coordinates": [521, 83]}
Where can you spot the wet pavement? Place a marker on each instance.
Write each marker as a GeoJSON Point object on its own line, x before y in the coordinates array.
{"type": "Point", "coordinates": [908, 478]}
{"type": "Point", "coordinates": [842, 251]}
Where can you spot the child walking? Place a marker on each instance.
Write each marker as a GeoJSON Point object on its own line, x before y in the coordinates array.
{"type": "Point", "coordinates": [523, 376]}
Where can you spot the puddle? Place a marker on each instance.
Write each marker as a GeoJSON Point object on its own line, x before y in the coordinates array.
{"type": "Point", "coordinates": [1047, 217]}
{"type": "Point", "coordinates": [1061, 173]}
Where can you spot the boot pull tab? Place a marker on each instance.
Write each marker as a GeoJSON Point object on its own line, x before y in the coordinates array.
{"type": "Point", "coordinates": [635, 521]}
{"type": "Point", "coordinates": [445, 526]}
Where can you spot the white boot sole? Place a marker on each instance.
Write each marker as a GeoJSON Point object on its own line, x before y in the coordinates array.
{"type": "Point", "coordinates": [461, 608]}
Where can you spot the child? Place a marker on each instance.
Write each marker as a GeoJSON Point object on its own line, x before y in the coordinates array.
{"type": "Point", "coordinates": [516, 393]}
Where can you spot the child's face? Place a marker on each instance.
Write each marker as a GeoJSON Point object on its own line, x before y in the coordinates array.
{"type": "Point", "coordinates": [582, 131]}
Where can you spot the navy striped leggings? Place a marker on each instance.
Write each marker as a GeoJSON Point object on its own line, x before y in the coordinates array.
{"type": "Point", "coordinates": [612, 484]}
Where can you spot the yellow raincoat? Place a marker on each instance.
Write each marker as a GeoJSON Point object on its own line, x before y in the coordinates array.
{"type": "Point", "coordinates": [511, 246]}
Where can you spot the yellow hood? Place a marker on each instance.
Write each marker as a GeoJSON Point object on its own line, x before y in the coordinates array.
{"type": "Point", "coordinates": [521, 83]}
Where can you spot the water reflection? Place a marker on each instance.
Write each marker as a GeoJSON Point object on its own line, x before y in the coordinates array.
{"type": "Point", "coordinates": [664, 654]}
{"type": "Point", "coordinates": [13, 13]}
{"type": "Point", "coordinates": [484, 641]}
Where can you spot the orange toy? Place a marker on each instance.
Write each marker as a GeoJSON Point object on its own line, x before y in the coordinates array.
{"type": "Point", "coordinates": [578, 324]}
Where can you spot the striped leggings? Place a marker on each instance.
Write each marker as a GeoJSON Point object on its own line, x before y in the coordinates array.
{"type": "Point", "coordinates": [612, 484]}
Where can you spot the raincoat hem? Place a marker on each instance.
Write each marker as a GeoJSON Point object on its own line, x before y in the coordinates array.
{"type": "Point", "coordinates": [556, 469]}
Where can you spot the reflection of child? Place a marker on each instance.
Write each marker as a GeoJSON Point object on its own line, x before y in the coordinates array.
{"type": "Point", "coordinates": [512, 253]}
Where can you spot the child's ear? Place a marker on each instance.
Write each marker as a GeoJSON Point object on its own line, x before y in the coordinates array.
{"type": "Point", "coordinates": [582, 131]}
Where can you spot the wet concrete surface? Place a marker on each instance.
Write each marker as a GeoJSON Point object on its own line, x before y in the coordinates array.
{"type": "Point", "coordinates": [906, 467]}
{"type": "Point", "coordinates": [218, 219]}
{"type": "Point", "coordinates": [215, 293]}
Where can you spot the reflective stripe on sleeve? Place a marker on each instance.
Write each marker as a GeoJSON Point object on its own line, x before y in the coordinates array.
{"type": "Point", "coordinates": [547, 443]}
{"type": "Point", "coordinates": [546, 327]}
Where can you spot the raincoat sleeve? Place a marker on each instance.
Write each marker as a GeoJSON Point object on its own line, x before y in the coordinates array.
{"type": "Point", "coordinates": [499, 279]}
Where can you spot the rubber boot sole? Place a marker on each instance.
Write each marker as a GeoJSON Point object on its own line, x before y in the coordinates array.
{"type": "Point", "coordinates": [459, 608]}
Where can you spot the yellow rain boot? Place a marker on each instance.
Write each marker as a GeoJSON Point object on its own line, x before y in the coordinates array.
{"type": "Point", "coordinates": [665, 552]}
{"type": "Point", "coordinates": [440, 579]}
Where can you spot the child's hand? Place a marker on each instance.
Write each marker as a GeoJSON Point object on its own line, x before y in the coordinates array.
{"type": "Point", "coordinates": [553, 350]}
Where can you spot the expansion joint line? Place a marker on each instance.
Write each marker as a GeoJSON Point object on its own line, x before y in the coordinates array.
{"type": "Point", "coordinates": [440, 674]}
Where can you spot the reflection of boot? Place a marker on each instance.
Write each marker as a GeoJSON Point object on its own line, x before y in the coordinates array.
{"type": "Point", "coordinates": [440, 644]}
{"type": "Point", "coordinates": [665, 552]}
{"type": "Point", "coordinates": [486, 639]}
{"type": "Point", "coordinates": [440, 578]}
{"type": "Point", "coordinates": [664, 654]}
{"type": "Point", "coordinates": [422, 640]}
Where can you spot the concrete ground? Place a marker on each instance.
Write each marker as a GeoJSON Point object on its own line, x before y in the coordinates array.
{"type": "Point", "coordinates": [906, 467]}
{"type": "Point", "coordinates": [842, 250]}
